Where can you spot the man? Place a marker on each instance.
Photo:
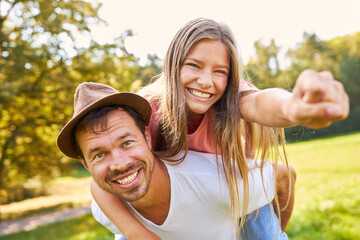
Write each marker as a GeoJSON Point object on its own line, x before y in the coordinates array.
{"type": "Point", "coordinates": [190, 200]}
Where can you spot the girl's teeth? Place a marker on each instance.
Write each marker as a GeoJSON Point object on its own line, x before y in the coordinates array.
{"type": "Point", "coordinates": [200, 94]}
{"type": "Point", "coordinates": [128, 179]}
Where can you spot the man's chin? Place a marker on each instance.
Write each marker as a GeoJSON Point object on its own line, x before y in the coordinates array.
{"type": "Point", "coordinates": [133, 195]}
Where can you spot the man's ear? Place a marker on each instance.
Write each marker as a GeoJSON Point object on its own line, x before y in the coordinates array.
{"type": "Point", "coordinates": [148, 137]}
{"type": "Point", "coordinates": [84, 163]}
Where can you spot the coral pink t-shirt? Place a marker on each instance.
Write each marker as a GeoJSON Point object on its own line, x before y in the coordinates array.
{"type": "Point", "coordinates": [201, 139]}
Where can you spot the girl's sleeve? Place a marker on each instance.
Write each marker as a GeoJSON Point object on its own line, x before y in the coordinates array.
{"type": "Point", "coordinates": [245, 86]}
{"type": "Point", "coordinates": [154, 123]}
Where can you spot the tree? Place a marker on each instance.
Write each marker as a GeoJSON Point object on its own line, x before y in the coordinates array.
{"type": "Point", "coordinates": [264, 67]}
{"type": "Point", "coordinates": [340, 56]}
{"type": "Point", "coordinates": [151, 69]}
{"type": "Point", "coordinates": [40, 67]}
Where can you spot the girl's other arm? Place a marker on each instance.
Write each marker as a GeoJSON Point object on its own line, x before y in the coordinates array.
{"type": "Point", "coordinates": [316, 101]}
{"type": "Point", "coordinates": [120, 215]}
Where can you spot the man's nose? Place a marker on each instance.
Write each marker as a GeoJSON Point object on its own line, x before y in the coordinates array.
{"type": "Point", "coordinates": [205, 80]}
{"type": "Point", "coordinates": [120, 161]}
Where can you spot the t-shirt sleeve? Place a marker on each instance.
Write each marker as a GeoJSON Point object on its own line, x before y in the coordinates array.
{"type": "Point", "coordinates": [261, 191]}
{"type": "Point", "coordinates": [245, 86]}
{"type": "Point", "coordinates": [102, 219]}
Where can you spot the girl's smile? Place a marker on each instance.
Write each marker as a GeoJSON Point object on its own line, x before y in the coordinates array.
{"type": "Point", "coordinates": [199, 94]}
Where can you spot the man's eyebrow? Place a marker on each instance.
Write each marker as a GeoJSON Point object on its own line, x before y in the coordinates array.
{"type": "Point", "coordinates": [123, 136]}
{"type": "Point", "coordinates": [93, 150]}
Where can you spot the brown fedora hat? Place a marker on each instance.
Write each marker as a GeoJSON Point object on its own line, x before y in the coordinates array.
{"type": "Point", "coordinates": [90, 96]}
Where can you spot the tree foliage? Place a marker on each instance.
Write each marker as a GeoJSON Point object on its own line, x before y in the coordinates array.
{"type": "Point", "coordinates": [264, 69]}
{"type": "Point", "coordinates": [40, 67]}
{"type": "Point", "coordinates": [340, 55]}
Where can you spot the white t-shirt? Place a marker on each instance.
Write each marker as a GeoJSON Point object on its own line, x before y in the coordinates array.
{"type": "Point", "coordinates": [200, 202]}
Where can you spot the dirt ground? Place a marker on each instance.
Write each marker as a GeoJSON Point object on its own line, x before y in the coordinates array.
{"type": "Point", "coordinates": [72, 193]}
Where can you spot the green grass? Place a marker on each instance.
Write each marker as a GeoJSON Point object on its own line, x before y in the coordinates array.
{"type": "Point", "coordinates": [327, 202]}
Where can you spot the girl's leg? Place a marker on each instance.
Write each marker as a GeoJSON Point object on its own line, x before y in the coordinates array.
{"type": "Point", "coordinates": [263, 227]}
{"type": "Point", "coordinates": [119, 237]}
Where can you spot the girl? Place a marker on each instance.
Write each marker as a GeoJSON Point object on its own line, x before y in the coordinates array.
{"type": "Point", "coordinates": [199, 103]}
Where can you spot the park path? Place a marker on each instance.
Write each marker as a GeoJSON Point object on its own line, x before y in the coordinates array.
{"type": "Point", "coordinates": [32, 222]}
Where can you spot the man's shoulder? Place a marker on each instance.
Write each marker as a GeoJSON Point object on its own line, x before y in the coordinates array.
{"type": "Point", "coordinates": [195, 162]}
{"type": "Point", "coordinates": [197, 177]}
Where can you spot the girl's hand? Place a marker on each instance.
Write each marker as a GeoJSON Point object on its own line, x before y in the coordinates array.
{"type": "Point", "coordinates": [144, 235]}
{"type": "Point", "coordinates": [317, 100]}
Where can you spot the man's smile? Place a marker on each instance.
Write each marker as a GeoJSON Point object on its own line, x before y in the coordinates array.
{"type": "Point", "coordinates": [128, 179]}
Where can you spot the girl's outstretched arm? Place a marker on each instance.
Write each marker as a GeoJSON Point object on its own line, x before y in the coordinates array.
{"type": "Point", "coordinates": [316, 101]}
{"type": "Point", "coordinates": [120, 215]}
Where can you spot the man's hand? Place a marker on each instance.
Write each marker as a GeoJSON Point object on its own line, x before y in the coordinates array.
{"type": "Point", "coordinates": [317, 100]}
{"type": "Point", "coordinates": [285, 190]}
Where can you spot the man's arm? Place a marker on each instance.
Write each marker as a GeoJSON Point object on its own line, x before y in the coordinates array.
{"type": "Point", "coordinates": [285, 190]}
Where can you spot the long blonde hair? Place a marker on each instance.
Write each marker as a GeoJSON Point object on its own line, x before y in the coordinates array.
{"type": "Point", "coordinates": [168, 92]}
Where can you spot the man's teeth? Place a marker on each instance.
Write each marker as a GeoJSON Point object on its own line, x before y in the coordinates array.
{"type": "Point", "coordinates": [200, 94]}
{"type": "Point", "coordinates": [128, 179]}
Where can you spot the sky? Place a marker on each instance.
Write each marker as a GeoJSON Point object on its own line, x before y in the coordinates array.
{"type": "Point", "coordinates": [155, 22]}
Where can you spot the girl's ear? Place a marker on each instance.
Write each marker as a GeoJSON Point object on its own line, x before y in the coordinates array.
{"type": "Point", "coordinates": [148, 137]}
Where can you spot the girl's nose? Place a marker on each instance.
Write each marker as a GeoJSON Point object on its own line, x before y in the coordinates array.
{"type": "Point", "coordinates": [205, 80]}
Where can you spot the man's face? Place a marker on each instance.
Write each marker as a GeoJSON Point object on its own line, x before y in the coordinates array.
{"type": "Point", "coordinates": [119, 158]}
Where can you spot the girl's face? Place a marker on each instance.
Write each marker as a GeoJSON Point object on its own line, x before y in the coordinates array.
{"type": "Point", "coordinates": [204, 75]}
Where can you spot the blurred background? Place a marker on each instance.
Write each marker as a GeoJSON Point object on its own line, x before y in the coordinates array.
{"type": "Point", "coordinates": [48, 47]}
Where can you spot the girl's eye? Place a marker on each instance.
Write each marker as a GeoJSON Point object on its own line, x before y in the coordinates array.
{"type": "Point", "coordinates": [193, 65]}
{"type": "Point", "coordinates": [221, 72]}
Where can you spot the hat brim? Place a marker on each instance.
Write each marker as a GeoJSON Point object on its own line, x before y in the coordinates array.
{"type": "Point", "coordinates": [132, 100]}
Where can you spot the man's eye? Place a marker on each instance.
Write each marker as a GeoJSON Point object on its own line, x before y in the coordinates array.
{"type": "Point", "coordinates": [127, 143]}
{"type": "Point", "coordinates": [98, 156]}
